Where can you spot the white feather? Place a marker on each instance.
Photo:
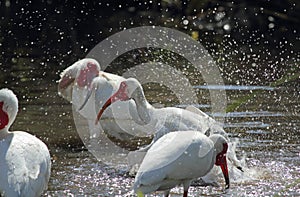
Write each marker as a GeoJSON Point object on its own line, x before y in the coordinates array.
{"type": "Point", "coordinates": [24, 159]}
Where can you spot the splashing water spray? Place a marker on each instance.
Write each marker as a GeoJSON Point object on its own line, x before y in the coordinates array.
{"type": "Point", "coordinates": [109, 152]}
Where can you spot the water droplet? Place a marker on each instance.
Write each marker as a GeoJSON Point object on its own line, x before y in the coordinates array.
{"type": "Point", "coordinates": [227, 27]}
{"type": "Point", "coordinates": [271, 25]}
{"type": "Point", "coordinates": [185, 22]}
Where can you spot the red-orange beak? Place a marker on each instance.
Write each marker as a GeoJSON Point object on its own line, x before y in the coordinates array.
{"type": "Point", "coordinates": [225, 172]}
{"type": "Point", "coordinates": [222, 162]}
{"type": "Point", "coordinates": [120, 95]}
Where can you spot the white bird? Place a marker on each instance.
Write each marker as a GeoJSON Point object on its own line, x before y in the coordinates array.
{"type": "Point", "coordinates": [162, 120]}
{"type": "Point", "coordinates": [165, 120]}
{"type": "Point", "coordinates": [80, 75]}
{"type": "Point", "coordinates": [132, 122]}
{"type": "Point", "coordinates": [24, 159]}
{"type": "Point", "coordinates": [84, 84]}
{"type": "Point", "coordinates": [178, 158]}
{"type": "Point", "coordinates": [87, 87]}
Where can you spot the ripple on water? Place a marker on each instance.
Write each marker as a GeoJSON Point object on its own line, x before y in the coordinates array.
{"type": "Point", "coordinates": [247, 124]}
{"type": "Point", "coordinates": [233, 87]}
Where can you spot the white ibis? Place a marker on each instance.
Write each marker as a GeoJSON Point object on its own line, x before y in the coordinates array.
{"type": "Point", "coordinates": [128, 123]}
{"type": "Point", "coordinates": [178, 158]}
{"type": "Point", "coordinates": [84, 84]}
{"type": "Point", "coordinates": [75, 85]}
{"type": "Point", "coordinates": [80, 75]}
{"type": "Point", "coordinates": [165, 120]}
{"type": "Point", "coordinates": [88, 88]}
{"type": "Point", "coordinates": [24, 159]}
{"type": "Point", "coordinates": [162, 120]}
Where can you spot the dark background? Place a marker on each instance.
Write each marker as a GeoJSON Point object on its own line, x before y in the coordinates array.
{"type": "Point", "coordinates": [256, 39]}
{"type": "Point", "coordinates": [254, 42]}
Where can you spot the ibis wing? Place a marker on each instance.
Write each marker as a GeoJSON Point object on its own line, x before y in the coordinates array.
{"type": "Point", "coordinates": [27, 165]}
{"type": "Point", "coordinates": [171, 153]}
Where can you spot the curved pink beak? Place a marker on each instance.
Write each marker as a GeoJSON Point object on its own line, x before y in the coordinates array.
{"type": "Point", "coordinates": [120, 95]}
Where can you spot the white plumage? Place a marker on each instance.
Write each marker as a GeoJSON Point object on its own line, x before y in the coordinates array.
{"type": "Point", "coordinates": [24, 159]}
{"type": "Point", "coordinates": [87, 87]}
{"type": "Point", "coordinates": [132, 118]}
{"type": "Point", "coordinates": [158, 121]}
{"type": "Point", "coordinates": [76, 83]}
{"type": "Point", "coordinates": [164, 120]}
{"type": "Point", "coordinates": [178, 158]}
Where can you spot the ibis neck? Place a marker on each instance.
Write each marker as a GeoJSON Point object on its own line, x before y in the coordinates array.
{"type": "Point", "coordinates": [3, 133]}
{"type": "Point", "coordinates": [141, 105]}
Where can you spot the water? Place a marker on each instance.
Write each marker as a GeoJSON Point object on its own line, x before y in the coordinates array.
{"type": "Point", "coordinates": [39, 40]}
{"type": "Point", "coordinates": [267, 126]}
